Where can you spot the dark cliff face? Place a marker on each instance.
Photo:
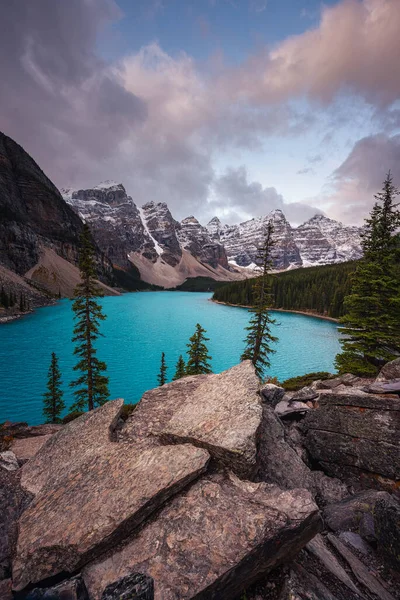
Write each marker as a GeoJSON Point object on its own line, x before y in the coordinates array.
{"type": "Point", "coordinates": [200, 243]}
{"type": "Point", "coordinates": [33, 214]}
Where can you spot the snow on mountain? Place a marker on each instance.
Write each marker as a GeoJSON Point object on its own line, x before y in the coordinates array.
{"type": "Point", "coordinates": [150, 236]}
{"type": "Point", "coordinates": [242, 241]}
{"type": "Point", "coordinates": [324, 241]}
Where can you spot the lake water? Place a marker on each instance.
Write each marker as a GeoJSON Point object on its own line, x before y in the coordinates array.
{"type": "Point", "coordinates": [138, 328]}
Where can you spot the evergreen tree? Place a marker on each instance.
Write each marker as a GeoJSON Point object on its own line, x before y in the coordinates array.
{"type": "Point", "coordinates": [259, 335]}
{"type": "Point", "coordinates": [162, 376]}
{"type": "Point", "coordinates": [92, 384]}
{"type": "Point", "coordinates": [53, 403]}
{"type": "Point", "coordinates": [198, 362]}
{"type": "Point", "coordinates": [180, 369]}
{"type": "Point", "coordinates": [370, 326]}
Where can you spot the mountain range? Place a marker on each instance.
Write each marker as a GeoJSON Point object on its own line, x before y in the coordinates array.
{"type": "Point", "coordinates": [167, 251]}
{"type": "Point", "coordinates": [40, 229]}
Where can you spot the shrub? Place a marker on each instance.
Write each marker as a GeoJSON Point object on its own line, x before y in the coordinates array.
{"type": "Point", "coordinates": [296, 383]}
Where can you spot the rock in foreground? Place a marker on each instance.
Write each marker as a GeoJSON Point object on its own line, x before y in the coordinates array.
{"type": "Point", "coordinates": [221, 413]}
{"type": "Point", "coordinates": [97, 505]}
{"type": "Point", "coordinates": [213, 541]}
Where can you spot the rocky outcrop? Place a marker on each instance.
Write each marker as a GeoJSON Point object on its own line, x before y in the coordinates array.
{"type": "Point", "coordinates": [355, 435]}
{"type": "Point", "coordinates": [163, 229]}
{"type": "Point", "coordinates": [93, 508]}
{"type": "Point", "coordinates": [197, 240]}
{"type": "Point", "coordinates": [318, 241]}
{"type": "Point", "coordinates": [242, 242]}
{"type": "Point", "coordinates": [221, 413]}
{"type": "Point", "coordinates": [132, 587]}
{"type": "Point", "coordinates": [115, 221]}
{"type": "Point", "coordinates": [217, 556]}
{"type": "Point", "coordinates": [33, 215]}
{"type": "Point", "coordinates": [323, 241]}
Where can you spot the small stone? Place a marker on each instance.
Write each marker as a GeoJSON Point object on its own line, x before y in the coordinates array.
{"type": "Point", "coordinates": [347, 514]}
{"type": "Point", "coordinates": [8, 461]}
{"type": "Point", "coordinates": [272, 394]}
{"type": "Point", "coordinates": [285, 409]}
{"type": "Point", "coordinates": [367, 527]}
{"type": "Point", "coordinates": [132, 587]}
{"type": "Point", "coordinates": [355, 541]}
{"type": "Point", "coordinates": [72, 589]}
{"type": "Point", "coordinates": [306, 394]}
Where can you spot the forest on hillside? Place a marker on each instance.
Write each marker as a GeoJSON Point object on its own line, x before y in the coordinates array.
{"type": "Point", "coordinates": [315, 289]}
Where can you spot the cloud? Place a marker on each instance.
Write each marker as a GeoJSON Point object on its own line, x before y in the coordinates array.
{"type": "Point", "coordinates": [235, 198]}
{"type": "Point", "coordinates": [305, 171]}
{"type": "Point", "coordinates": [355, 48]}
{"type": "Point", "coordinates": [157, 122]}
{"type": "Point", "coordinates": [258, 6]}
{"type": "Point", "coordinates": [361, 175]}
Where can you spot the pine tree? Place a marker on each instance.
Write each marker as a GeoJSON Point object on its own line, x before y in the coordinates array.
{"type": "Point", "coordinates": [162, 376]}
{"type": "Point", "coordinates": [180, 369]}
{"type": "Point", "coordinates": [370, 326]}
{"type": "Point", "coordinates": [53, 403]}
{"type": "Point", "coordinates": [259, 335]}
{"type": "Point", "coordinates": [92, 384]}
{"type": "Point", "coordinates": [198, 362]}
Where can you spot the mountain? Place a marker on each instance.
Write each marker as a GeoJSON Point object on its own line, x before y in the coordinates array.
{"type": "Point", "coordinates": [39, 233]}
{"type": "Point", "coordinates": [323, 241]}
{"type": "Point", "coordinates": [165, 251]}
{"type": "Point", "coordinates": [241, 242]}
{"type": "Point", "coordinates": [319, 240]}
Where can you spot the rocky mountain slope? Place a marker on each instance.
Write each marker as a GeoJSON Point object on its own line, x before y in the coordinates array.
{"type": "Point", "coordinates": [165, 251]}
{"type": "Point", "coordinates": [34, 218]}
{"type": "Point", "coordinates": [318, 241]}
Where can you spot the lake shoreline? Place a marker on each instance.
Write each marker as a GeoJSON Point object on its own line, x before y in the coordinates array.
{"type": "Point", "coordinates": [296, 312]}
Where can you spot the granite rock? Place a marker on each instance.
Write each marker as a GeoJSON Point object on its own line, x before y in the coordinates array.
{"type": "Point", "coordinates": [26, 448]}
{"type": "Point", "coordinates": [70, 447]}
{"type": "Point", "coordinates": [96, 505]}
{"type": "Point", "coordinates": [192, 550]}
{"type": "Point", "coordinates": [132, 587]}
{"type": "Point", "coordinates": [272, 393]}
{"type": "Point", "coordinates": [348, 513]}
{"type": "Point", "coordinates": [291, 408]}
{"type": "Point", "coordinates": [390, 371]}
{"type": "Point", "coordinates": [352, 430]}
{"type": "Point", "coordinates": [387, 530]}
{"type": "Point", "coordinates": [8, 461]}
{"type": "Point", "coordinates": [71, 589]}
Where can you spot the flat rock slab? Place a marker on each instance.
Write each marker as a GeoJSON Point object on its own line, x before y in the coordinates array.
{"type": "Point", "coordinates": [26, 448]}
{"type": "Point", "coordinates": [355, 429]}
{"type": "Point", "coordinates": [213, 541]}
{"type": "Point", "coordinates": [94, 507]}
{"type": "Point", "coordinates": [70, 446]}
{"type": "Point", "coordinates": [221, 413]}
{"type": "Point", "coordinates": [293, 407]}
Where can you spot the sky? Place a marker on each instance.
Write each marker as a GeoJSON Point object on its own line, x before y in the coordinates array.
{"type": "Point", "coordinates": [218, 107]}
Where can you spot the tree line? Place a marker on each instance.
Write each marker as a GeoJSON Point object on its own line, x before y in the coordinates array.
{"type": "Point", "coordinates": [319, 289]}
{"type": "Point", "coordinates": [9, 299]}
{"type": "Point", "coordinates": [366, 293]}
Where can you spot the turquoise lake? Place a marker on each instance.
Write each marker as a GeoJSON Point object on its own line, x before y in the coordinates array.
{"type": "Point", "coordinates": [138, 328]}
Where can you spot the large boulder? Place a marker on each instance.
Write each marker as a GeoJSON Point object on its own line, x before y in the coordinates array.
{"type": "Point", "coordinates": [278, 461]}
{"type": "Point", "coordinates": [213, 541]}
{"type": "Point", "coordinates": [348, 513]}
{"type": "Point", "coordinates": [26, 448]}
{"type": "Point", "coordinates": [356, 436]}
{"type": "Point", "coordinates": [221, 413]}
{"type": "Point", "coordinates": [387, 530]}
{"type": "Point", "coordinates": [12, 502]}
{"type": "Point", "coordinates": [272, 393]}
{"type": "Point", "coordinates": [96, 505]}
{"type": "Point", "coordinates": [71, 446]}
{"type": "Point", "coordinates": [390, 371]}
